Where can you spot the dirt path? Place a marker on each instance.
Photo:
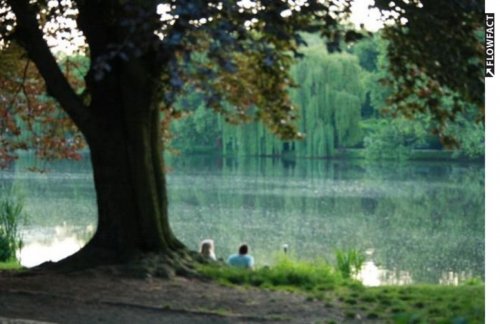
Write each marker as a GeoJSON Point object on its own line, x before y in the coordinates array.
{"type": "Point", "coordinates": [98, 297]}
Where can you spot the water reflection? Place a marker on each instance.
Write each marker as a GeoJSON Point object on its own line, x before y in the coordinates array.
{"type": "Point", "coordinates": [419, 220]}
{"type": "Point", "coordinates": [372, 275]}
{"type": "Point", "coordinates": [454, 278]}
{"type": "Point", "coordinates": [43, 244]}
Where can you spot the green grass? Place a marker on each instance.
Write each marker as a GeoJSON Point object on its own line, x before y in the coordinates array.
{"type": "Point", "coordinates": [388, 304]}
{"type": "Point", "coordinates": [418, 303]}
{"type": "Point", "coordinates": [10, 265]}
{"type": "Point", "coordinates": [286, 273]}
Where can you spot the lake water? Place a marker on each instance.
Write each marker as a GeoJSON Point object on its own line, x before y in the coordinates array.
{"type": "Point", "coordinates": [415, 222]}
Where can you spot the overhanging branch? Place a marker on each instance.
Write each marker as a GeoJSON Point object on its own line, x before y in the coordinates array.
{"type": "Point", "coordinates": [30, 36]}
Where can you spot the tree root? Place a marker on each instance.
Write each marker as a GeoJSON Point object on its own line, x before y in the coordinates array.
{"type": "Point", "coordinates": [168, 264]}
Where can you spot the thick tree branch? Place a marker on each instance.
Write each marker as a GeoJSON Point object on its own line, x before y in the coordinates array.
{"type": "Point", "coordinates": [30, 37]}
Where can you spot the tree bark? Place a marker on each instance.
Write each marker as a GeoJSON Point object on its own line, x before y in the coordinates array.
{"type": "Point", "coordinates": [126, 153]}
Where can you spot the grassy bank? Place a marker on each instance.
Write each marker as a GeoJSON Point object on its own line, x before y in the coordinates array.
{"type": "Point", "coordinates": [396, 304]}
{"type": "Point", "coordinates": [416, 303]}
{"type": "Point", "coordinates": [322, 282]}
{"type": "Point", "coordinates": [10, 265]}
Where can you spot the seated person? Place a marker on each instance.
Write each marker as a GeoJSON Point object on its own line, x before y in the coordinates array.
{"type": "Point", "coordinates": [207, 249]}
{"type": "Point", "coordinates": [242, 259]}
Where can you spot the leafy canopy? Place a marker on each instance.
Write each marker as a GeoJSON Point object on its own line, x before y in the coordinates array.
{"type": "Point", "coordinates": [435, 51]}
{"type": "Point", "coordinates": [236, 54]}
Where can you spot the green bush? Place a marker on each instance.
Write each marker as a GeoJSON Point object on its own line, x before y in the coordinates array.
{"type": "Point", "coordinates": [10, 239]}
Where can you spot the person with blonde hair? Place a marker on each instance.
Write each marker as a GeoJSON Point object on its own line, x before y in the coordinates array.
{"type": "Point", "coordinates": [207, 249]}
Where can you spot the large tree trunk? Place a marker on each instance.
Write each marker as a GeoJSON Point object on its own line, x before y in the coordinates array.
{"type": "Point", "coordinates": [130, 186]}
{"type": "Point", "coordinates": [121, 125]}
{"type": "Point", "coordinates": [124, 138]}
{"type": "Point", "coordinates": [127, 160]}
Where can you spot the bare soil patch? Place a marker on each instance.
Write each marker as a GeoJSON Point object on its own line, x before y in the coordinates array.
{"type": "Point", "coordinates": [101, 296]}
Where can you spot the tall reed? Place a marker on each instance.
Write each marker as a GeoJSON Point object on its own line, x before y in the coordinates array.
{"type": "Point", "coordinates": [11, 211]}
{"type": "Point", "coordinates": [349, 262]}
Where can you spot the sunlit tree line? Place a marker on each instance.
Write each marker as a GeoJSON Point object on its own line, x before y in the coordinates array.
{"type": "Point", "coordinates": [341, 101]}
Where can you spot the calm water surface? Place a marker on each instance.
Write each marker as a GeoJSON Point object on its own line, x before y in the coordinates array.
{"type": "Point", "coordinates": [415, 222]}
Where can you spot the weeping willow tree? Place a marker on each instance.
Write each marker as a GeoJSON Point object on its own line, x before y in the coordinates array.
{"type": "Point", "coordinates": [250, 139]}
{"type": "Point", "coordinates": [329, 95]}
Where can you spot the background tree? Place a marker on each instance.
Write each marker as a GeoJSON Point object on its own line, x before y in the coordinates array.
{"type": "Point", "coordinates": [328, 102]}
{"type": "Point", "coordinates": [330, 125]}
{"type": "Point", "coordinates": [393, 130]}
{"type": "Point", "coordinates": [435, 50]}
